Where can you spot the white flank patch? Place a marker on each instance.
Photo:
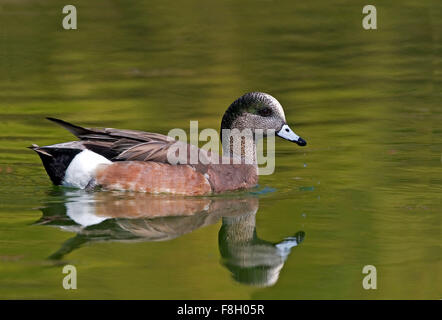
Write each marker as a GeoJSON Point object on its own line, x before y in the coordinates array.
{"type": "Point", "coordinates": [81, 170]}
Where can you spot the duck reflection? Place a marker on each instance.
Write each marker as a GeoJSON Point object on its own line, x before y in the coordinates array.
{"type": "Point", "coordinates": [114, 216]}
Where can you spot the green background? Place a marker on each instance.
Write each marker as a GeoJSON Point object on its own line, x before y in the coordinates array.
{"type": "Point", "coordinates": [366, 189]}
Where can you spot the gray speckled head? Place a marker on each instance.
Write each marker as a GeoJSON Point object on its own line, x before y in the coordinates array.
{"type": "Point", "coordinates": [258, 110]}
{"type": "Point", "coordinates": [254, 110]}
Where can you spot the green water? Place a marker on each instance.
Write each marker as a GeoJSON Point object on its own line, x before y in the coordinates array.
{"type": "Point", "coordinates": [365, 191]}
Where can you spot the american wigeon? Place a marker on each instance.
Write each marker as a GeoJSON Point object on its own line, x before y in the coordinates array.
{"type": "Point", "coordinates": [138, 161]}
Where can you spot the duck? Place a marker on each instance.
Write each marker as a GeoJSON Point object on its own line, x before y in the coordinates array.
{"type": "Point", "coordinates": [131, 160]}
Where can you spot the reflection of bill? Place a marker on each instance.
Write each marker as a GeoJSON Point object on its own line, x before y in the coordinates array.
{"type": "Point", "coordinates": [119, 216]}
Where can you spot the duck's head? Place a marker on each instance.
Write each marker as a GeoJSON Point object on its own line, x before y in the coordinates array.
{"type": "Point", "coordinates": [258, 110]}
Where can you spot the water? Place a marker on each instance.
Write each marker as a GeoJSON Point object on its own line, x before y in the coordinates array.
{"type": "Point", "coordinates": [365, 191]}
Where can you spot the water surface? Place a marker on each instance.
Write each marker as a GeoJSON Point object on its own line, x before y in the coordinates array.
{"type": "Point", "coordinates": [365, 191]}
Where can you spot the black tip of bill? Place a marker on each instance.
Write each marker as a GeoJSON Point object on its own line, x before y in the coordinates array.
{"type": "Point", "coordinates": [301, 142]}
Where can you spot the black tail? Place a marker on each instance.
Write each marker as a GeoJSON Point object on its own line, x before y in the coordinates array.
{"type": "Point", "coordinates": [72, 128]}
{"type": "Point", "coordinates": [56, 159]}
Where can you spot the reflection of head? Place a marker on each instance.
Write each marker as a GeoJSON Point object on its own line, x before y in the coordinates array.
{"type": "Point", "coordinates": [251, 260]}
{"type": "Point", "coordinates": [260, 276]}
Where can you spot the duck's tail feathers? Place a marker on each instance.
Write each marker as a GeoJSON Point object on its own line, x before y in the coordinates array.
{"type": "Point", "coordinates": [72, 128]}
{"type": "Point", "coordinates": [56, 160]}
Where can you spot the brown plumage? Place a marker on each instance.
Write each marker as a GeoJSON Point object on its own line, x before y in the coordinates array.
{"type": "Point", "coordinates": [138, 160]}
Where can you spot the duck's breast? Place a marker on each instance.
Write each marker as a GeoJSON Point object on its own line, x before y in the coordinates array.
{"type": "Point", "coordinates": [230, 177]}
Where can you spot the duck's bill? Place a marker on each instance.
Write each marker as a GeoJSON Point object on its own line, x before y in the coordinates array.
{"type": "Point", "coordinates": [288, 134]}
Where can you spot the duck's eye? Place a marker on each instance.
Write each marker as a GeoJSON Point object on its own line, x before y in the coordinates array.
{"type": "Point", "coordinates": [265, 112]}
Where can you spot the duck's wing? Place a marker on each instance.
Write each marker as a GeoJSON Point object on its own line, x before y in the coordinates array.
{"type": "Point", "coordinates": [122, 145]}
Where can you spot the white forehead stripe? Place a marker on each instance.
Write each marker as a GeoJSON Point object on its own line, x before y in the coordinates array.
{"type": "Point", "coordinates": [287, 133]}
